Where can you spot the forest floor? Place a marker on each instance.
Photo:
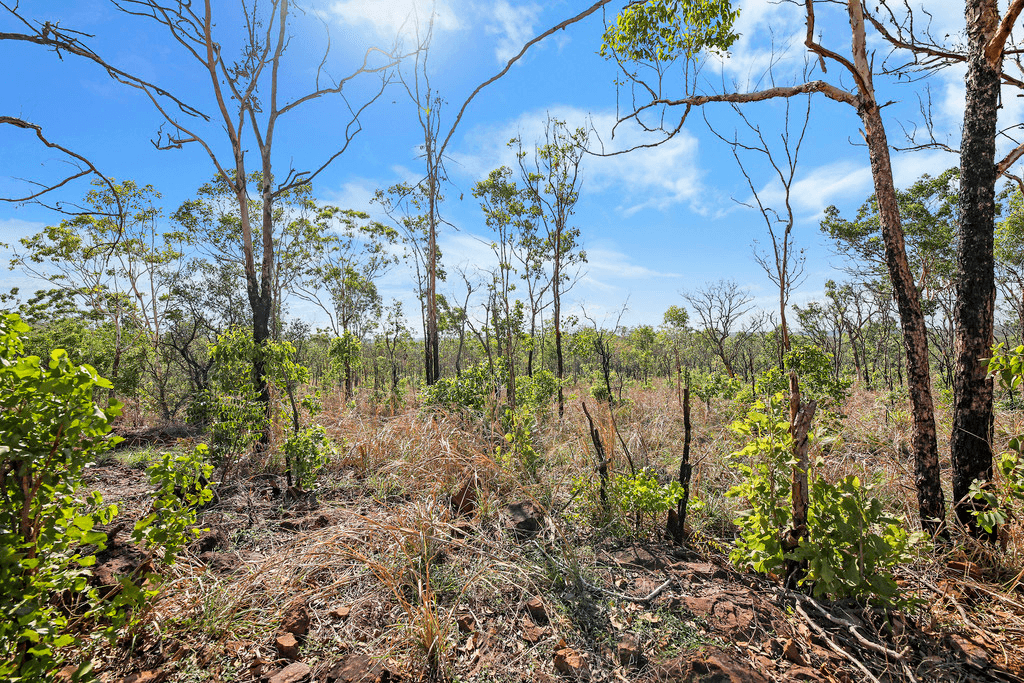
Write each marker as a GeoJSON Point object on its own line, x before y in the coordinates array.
{"type": "Point", "coordinates": [421, 558]}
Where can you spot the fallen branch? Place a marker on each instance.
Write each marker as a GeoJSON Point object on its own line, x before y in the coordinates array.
{"type": "Point", "coordinates": [838, 649]}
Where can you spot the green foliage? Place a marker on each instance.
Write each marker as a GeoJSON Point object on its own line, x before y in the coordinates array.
{"type": "Point", "coordinates": [714, 385]}
{"type": "Point", "coordinates": [182, 484]}
{"type": "Point", "coordinates": [817, 381]}
{"type": "Point", "coordinates": [50, 430]}
{"type": "Point", "coordinates": [643, 497]}
{"type": "Point", "coordinates": [663, 30]}
{"type": "Point", "coordinates": [536, 393]}
{"type": "Point", "coordinates": [519, 425]}
{"type": "Point", "coordinates": [640, 497]}
{"type": "Point", "coordinates": [346, 354]}
{"type": "Point", "coordinates": [851, 545]}
{"type": "Point", "coordinates": [471, 390]}
{"type": "Point", "coordinates": [308, 452]}
{"type": "Point", "coordinates": [1002, 500]}
{"type": "Point", "coordinates": [238, 416]}
{"type": "Point", "coordinates": [766, 463]}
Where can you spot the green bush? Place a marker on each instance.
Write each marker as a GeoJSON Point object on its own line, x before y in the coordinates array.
{"type": "Point", "coordinates": [181, 482]}
{"type": "Point", "coordinates": [308, 452]}
{"type": "Point", "coordinates": [1001, 500]}
{"type": "Point", "coordinates": [641, 496]}
{"type": "Point", "coordinates": [851, 545]}
{"type": "Point", "coordinates": [471, 390]}
{"type": "Point", "coordinates": [51, 429]}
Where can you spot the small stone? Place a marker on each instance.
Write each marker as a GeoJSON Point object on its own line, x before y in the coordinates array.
{"type": "Point", "coordinates": [296, 672]}
{"type": "Point", "coordinates": [341, 612]}
{"type": "Point", "coordinates": [144, 677]}
{"type": "Point", "coordinates": [464, 500]}
{"type": "Point", "coordinates": [222, 563]}
{"type": "Point", "coordinates": [211, 539]}
{"type": "Point", "coordinates": [287, 646]}
{"type": "Point", "coordinates": [296, 620]}
{"type": "Point", "coordinates": [569, 662]}
{"type": "Point", "coordinates": [525, 518]}
{"type": "Point", "coordinates": [466, 623]}
{"type": "Point", "coordinates": [66, 673]}
{"type": "Point", "coordinates": [532, 633]}
{"type": "Point", "coordinates": [536, 608]}
{"type": "Point", "coordinates": [628, 652]}
{"type": "Point", "coordinates": [357, 668]}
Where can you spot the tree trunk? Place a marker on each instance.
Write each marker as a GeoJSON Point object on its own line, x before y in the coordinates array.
{"type": "Point", "coordinates": [971, 439]}
{"type": "Point", "coordinates": [930, 499]}
{"type": "Point", "coordinates": [800, 417]}
{"type": "Point", "coordinates": [556, 293]}
{"type": "Point", "coordinates": [431, 344]}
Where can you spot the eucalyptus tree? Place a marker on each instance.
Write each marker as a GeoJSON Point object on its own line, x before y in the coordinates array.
{"type": "Point", "coordinates": [988, 49]}
{"type": "Point", "coordinates": [928, 211]}
{"type": "Point", "coordinates": [347, 255]}
{"type": "Point", "coordinates": [299, 232]}
{"type": "Point", "coordinates": [407, 207]}
{"type": "Point", "coordinates": [116, 261]}
{"type": "Point", "coordinates": [512, 218]}
{"type": "Point", "coordinates": [552, 178]}
{"type": "Point", "coordinates": [250, 111]}
{"type": "Point", "coordinates": [648, 39]}
{"type": "Point", "coordinates": [1009, 253]}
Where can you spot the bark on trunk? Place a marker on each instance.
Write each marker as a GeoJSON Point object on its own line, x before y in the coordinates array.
{"type": "Point", "coordinates": [800, 416]}
{"type": "Point", "coordinates": [556, 293]}
{"type": "Point", "coordinates": [971, 439]}
{"type": "Point", "coordinates": [930, 499]}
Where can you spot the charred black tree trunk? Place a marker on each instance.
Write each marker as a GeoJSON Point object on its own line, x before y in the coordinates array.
{"type": "Point", "coordinates": [971, 440]}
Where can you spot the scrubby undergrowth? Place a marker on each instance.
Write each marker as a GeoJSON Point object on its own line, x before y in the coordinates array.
{"type": "Point", "coordinates": [430, 549]}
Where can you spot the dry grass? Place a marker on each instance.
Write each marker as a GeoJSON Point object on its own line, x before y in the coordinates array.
{"type": "Point", "coordinates": [397, 554]}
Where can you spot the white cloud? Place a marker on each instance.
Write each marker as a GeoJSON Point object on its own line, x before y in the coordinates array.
{"type": "Point", "coordinates": [771, 32]}
{"type": "Point", "coordinates": [657, 177]}
{"type": "Point", "coordinates": [512, 24]}
{"type": "Point", "coordinates": [391, 18]}
{"type": "Point", "coordinates": [356, 194]}
{"type": "Point", "coordinates": [610, 261]}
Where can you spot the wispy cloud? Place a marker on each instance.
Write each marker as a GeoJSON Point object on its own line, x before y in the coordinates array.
{"type": "Point", "coordinates": [397, 18]}
{"type": "Point", "coordinates": [513, 25]}
{"type": "Point", "coordinates": [657, 177]}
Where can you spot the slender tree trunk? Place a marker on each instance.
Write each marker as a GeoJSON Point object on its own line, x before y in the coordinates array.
{"type": "Point", "coordinates": [556, 293]}
{"type": "Point", "coordinates": [971, 439]}
{"type": "Point", "coordinates": [431, 344]}
{"type": "Point", "coordinates": [930, 499]}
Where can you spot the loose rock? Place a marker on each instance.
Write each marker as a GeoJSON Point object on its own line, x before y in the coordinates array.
{"type": "Point", "coordinates": [525, 518]}
{"type": "Point", "coordinates": [287, 646]}
{"type": "Point", "coordinates": [293, 673]}
{"type": "Point", "coordinates": [296, 620]}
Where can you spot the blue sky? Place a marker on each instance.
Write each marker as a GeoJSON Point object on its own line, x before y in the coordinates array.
{"type": "Point", "coordinates": [654, 222]}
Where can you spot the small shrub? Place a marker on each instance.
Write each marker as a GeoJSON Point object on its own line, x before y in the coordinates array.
{"type": "Point", "coordinates": [641, 496]}
{"type": "Point", "coordinates": [50, 430]}
{"type": "Point", "coordinates": [182, 485]}
{"type": "Point", "coordinates": [308, 452]}
{"type": "Point", "coordinates": [851, 545]}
